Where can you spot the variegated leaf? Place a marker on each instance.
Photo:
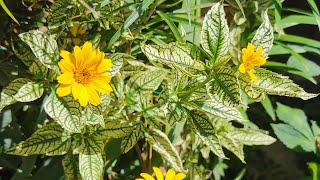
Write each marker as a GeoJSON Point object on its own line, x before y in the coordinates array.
{"type": "Point", "coordinates": [202, 127]}
{"type": "Point", "coordinates": [246, 85]}
{"type": "Point", "coordinates": [264, 35]}
{"type": "Point", "coordinates": [277, 84]}
{"type": "Point", "coordinates": [44, 47]}
{"type": "Point", "coordinates": [132, 138]}
{"type": "Point", "coordinates": [9, 91]}
{"type": "Point", "coordinates": [225, 88]}
{"type": "Point", "coordinates": [70, 165]}
{"type": "Point", "coordinates": [174, 113]}
{"type": "Point", "coordinates": [23, 52]}
{"type": "Point", "coordinates": [38, 69]}
{"type": "Point", "coordinates": [183, 57]}
{"type": "Point", "coordinates": [50, 140]}
{"type": "Point", "coordinates": [91, 118]}
{"type": "Point", "coordinates": [161, 143]}
{"type": "Point", "coordinates": [66, 111]}
{"type": "Point", "coordinates": [105, 100]}
{"type": "Point", "coordinates": [61, 12]}
{"type": "Point", "coordinates": [251, 137]}
{"type": "Point", "coordinates": [29, 92]}
{"type": "Point", "coordinates": [148, 80]}
{"type": "Point", "coordinates": [215, 38]}
{"type": "Point", "coordinates": [117, 128]}
{"type": "Point", "coordinates": [117, 61]}
{"type": "Point", "coordinates": [91, 166]}
{"type": "Point", "coordinates": [233, 145]}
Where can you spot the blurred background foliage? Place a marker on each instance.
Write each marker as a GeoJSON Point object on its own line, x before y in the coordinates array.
{"type": "Point", "coordinates": [296, 53]}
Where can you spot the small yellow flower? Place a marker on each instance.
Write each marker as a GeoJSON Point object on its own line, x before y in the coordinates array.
{"type": "Point", "coordinates": [84, 74]}
{"type": "Point", "coordinates": [171, 175]}
{"type": "Point", "coordinates": [251, 60]}
{"type": "Point", "coordinates": [77, 30]}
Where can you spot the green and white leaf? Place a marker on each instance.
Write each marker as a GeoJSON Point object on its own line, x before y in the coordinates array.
{"type": "Point", "coordinates": [161, 143]}
{"type": "Point", "coordinates": [61, 12]}
{"type": "Point", "coordinates": [132, 138]}
{"type": "Point", "coordinates": [174, 113]}
{"type": "Point", "coordinates": [50, 140]}
{"type": "Point", "coordinates": [118, 128]}
{"type": "Point", "coordinates": [264, 35]}
{"type": "Point", "coordinates": [148, 80]}
{"type": "Point", "coordinates": [215, 38]}
{"type": "Point", "coordinates": [23, 52]}
{"type": "Point", "coordinates": [277, 84]}
{"type": "Point", "coordinates": [70, 165]}
{"type": "Point", "coordinates": [9, 91]}
{"type": "Point", "coordinates": [225, 88]}
{"type": "Point", "coordinates": [211, 106]}
{"type": "Point", "coordinates": [38, 69]}
{"type": "Point", "coordinates": [246, 85]}
{"type": "Point", "coordinates": [29, 92]}
{"type": "Point", "coordinates": [233, 145]}
{"type": "Point", "coordinates": [105, 101]}
{"type": "Point", "coordinates": [251, 137]}
{"type": "Point", "coordinates": [91, 118]}
{"type": "Point", "coordinates": [66, 111]}
{"type": "Point", "coordinates": [91, 166]}
{"type": "Point", "coordinates": [43, 46]}
{"type": "Point", "coordinates": [201, 125]}
{"type": "Point", "coordinates": [117, 62]}
{"type": "Point", "coordinates": [180, 56]}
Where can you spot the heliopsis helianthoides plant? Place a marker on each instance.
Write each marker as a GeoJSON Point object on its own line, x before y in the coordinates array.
{"type": "Point", "coordinates": [152, 100]}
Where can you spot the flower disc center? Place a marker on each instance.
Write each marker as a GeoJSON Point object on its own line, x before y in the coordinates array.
{"type": "Point", "coordinates": [83, 76]}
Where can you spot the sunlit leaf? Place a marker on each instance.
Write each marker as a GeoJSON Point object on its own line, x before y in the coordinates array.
{"type": "Point", "coordinates": [71, 167]}
{"type": "Point", "coordinates": [251, 137]}
{"type": "Point", "coordinates": [29, 92]}
{"type": "Point", "coordinates": [132, 138]}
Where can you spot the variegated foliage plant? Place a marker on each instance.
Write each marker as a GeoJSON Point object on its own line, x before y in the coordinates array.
{"type": "Point", "coordinates": [198, 87]}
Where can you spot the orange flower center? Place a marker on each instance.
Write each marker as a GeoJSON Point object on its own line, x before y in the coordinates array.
{"type": "Point", "coordinates": [83, 76]}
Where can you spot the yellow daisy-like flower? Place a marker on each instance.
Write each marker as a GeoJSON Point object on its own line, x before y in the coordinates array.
{"type": "Point", "coordinates": [84, 74]}
{"type": "Point", "coordinates": [77, 30]}
{"type": "Point", "coordinates": [251, 60]}
{"type": "Point", "coordinates": [171, 175]}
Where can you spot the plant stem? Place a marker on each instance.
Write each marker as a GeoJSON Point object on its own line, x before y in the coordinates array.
{"type": "Point", "coordinates": [143, 165]}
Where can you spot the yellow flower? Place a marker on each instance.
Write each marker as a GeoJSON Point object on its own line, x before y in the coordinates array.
{"type": "Point", "coordinates": [171, 175]}
{"type": "Point", "coordinates": [251, 60]}
{"type": "Point", "coordinates": [84, 74]}
{"type": "Point", "coordinates": [76, 31]}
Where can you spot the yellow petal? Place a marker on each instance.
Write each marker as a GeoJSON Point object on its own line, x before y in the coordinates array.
{"type": "Point", "coordinates": [250, 48]}
{"type": "Point", "coordinates": [66, 66]}
{"type": "Point", "coordinates": [260, 61]}
{"type": "Point", "coordinates": [253, 76]}
{"type": "Point", "coordinates": [83, 96]}
{"type": "Point", "coordinates": [87, 50]}
{"type": "Point", "coordinates": [170, 174]}
{"type": "Point", "coordinates": [180, 176]}
{"type": "Point", "coordinates": [66, 78]}
{"type": "Point", "coordinates": [139, 179]}
{"type": "Point", "coordinates": [242, 68]}
{"type": "Point", "coordinates": [74, 29]}
{"type": "Point", "coordinates": [76, 41]}
{"type": "Point", "coordinates": [82, 30]}
{"type": "Point", "coordinates": [79, 56]}
{"type": "Point", "coordinates": [65, 54]}
{"type": "Point", "coordinates": [63, 90]}
{"type": "Point", "coordinates": [158, 173]}
{"type": "Point", "coordinates": [75, 90]}
{"type": "Point", "coordinates": [259, 51]}
{"type": "Point", "coordinates": [104, 65]}
{"type": "Point", "coordinates": [94, 97]}
{"type": "Point", "coordinates": [147, 176]}
{"type": "Point", "coordinates": [101, 84]}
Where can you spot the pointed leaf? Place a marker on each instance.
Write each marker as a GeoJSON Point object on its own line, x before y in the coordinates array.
{"type": "Point", "coordinates": [61, 12]}
{"type": "Point", "coordinates": [117, 61]}
{"type": "Point", "coordinates": [44, 47]}
{"type": "Point", "coordinates": [38, 69]}
{"type": "Point", "coordinates": [29, 92]}
{"type": "Point", "coordinates": [163, 146]}
{"type": "Point", "coordinates": [147, 80]}
{"type": "Point", "coordinates": [23, 51]}
{"type": "Point", "coordinates": [201, 125]}
{"type": "Point", "coordinates": [183, 57]}
{"type": "Point", "coordinates": [118, 128]}
{"type": "Point", "coordinates": [50, 140]}
{"type": "Point", "coordinates": [65, 111]}
{"type": "Point", "coordinates": [131, 139]}
{"type": "Point", "coordinates": [251, 137]}
{"type": "Point", "coordinates": [264, 35]}
{"type": "Point", "coordinates": [71, 167]}
{"type": "Point", "coordinates": [175, 113]}
{"type": "Point", "coordinates": [225, 88]}
{"type": "Point", "coordinates": [91, 166]}
{"type": "Point", "coordinates": [277, 84]}
{"type": "Point", "coordinates": [215, 38]}
{"type": "Point", "coordinates": [233, 145]}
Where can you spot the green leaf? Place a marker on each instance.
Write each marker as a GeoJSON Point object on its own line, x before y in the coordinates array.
{"type": "Point", "coordinates": [315, 169]}
{"type": "Point", "coordinates": [9, 91]}
{"type": "Point", "coordinates": [215, 38]}
{"type": "Point", "coordinates": [117, 62]}
{"type": "Point", "coordinates": [71, 167]}
{"type": "Point", "coordinates": [29, 92]}
{"type": "Point", "coordinates": [251, 137]}
{"type": "Point", "coordinates": [91, 118]}
{"type": "Point", "coordinates": [66, 111]}
{"type": "Point", "coordinates": [61, 12]}
{"type": "Point", "coordinates": [264, 35]}
{"type": "Point", "coordinates": [148, 80]}
{"type": "Point", "coordinates": [201, 125]}
{"type": "Point", "coordinates": [38, 69]}
{"type": "Point", "coordinates": [267, 105]}
{"type": "Point", "coordinates": [296, 118]}
{"type": "Point", "coordinates": [172, 26]}
{"type": "Point", "coordinates": [132, 138]}
{"type": "Point", "coordinates": [292, 138]}
{"type": "Point", "coordinates": [213, 107]}
{"type": "Point", "coordinates": [101, 108]}
{"type": "Point", "coordinates": [247, 86]}
{"type": "Point", "coordinates": [23, 51]}
{"type": "Point", "coordinates": [118, 128]}
{"type": "Point", "coordinates": [174, 113]}
{"type": "Point", "coordinates": [4, 7]}
{"type": "Point", "coordinates": [225, 88]}
{"type": "Point", "coordinates": [50, 140]}
{"type": "Point", "coordinates": [180, 56]}
{"type": "Point", "coordinates": [91, 166]}
{"type": "Point", "coordinates": [163, 146]}
{"type": "Point", "coordinates": [233, 145]}
{"type": "Point", "coordinates": [276, 84]}
{"type": "Point", "coordinates": [44, 47]}
{"type": "Point", "coordinates": [315, 128]}
{"type": "Point", "coordinates": [304, 65]}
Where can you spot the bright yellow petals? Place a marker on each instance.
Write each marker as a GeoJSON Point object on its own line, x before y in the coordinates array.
{"type": "Point", "coordinates": [171, 175]}
{"type": "Point", "coordinates": [84, 75]}
{"type": "Point", "coordinates": [250, 60]}
{"type": "Point", "coordinates": [77, 30]}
